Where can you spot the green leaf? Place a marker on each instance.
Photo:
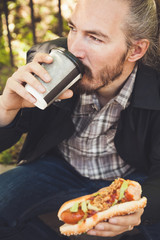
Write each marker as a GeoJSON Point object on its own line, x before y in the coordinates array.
{"type": "Point", "coordinates": [84, 206]}
{"type": "Point", "coordinates": [123, 188]}
{"type": "Point", "coordinates": [96, 194]}
{"type": "Point", "coordinates": [92, 207]}
{"type": "Point", "coordinates": [74, 208]}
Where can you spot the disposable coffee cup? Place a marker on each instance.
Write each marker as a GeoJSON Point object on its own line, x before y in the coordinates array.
{"type": "Point", "coordinates": [65, 70]}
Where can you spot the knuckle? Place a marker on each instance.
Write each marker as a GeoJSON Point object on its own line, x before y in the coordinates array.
{"type": "Point", "coordinates": [30, 66]}
{"type": "Point", "coordinates": [10, 79]}
{"type": "Point", "coordinates": [20, 68]}
{"type": "Point", "coordinates": [139, 222]}
{"type": "Point", "coordinates": [36, 56]}
{"type": "Point", "coordinates": [13, 75]}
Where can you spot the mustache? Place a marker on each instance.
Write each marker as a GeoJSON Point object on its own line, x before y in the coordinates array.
{"type": "Point", "coordinates": [88, 72]}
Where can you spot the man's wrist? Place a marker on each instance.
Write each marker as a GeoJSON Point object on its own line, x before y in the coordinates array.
{"type": "Point", "coordinates": [6, 116]}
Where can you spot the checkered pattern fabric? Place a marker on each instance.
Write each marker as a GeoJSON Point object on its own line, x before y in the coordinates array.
{"type": "Point", "coordinates": [91, 149]}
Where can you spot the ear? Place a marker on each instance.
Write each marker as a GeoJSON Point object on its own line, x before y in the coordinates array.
{"type": "Point", "coordinates": [138, 50]}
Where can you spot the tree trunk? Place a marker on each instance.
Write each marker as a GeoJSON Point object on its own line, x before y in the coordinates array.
{"type": "Point", "coordinates": [9, 36]}
{"type": "Point", "coordinates": [60, 20]}
{"type": "Point", "coordinates": [1, 28]}
{"type": "Point", "coordinates": [33, 22]}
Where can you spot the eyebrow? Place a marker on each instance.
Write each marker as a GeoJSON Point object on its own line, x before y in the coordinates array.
{"type": "Point", "coordinates": [94, 32]}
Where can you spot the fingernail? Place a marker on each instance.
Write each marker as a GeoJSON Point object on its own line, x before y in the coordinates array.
{"type": "Point", "coordinates": [47, 77]}
{"type": "Point", "coordinates": [91, 232]}
{"type": "Point", "coordinates": [113, 220]}
{"type": "Point", "coordinates": [41, 88]}
{"type": "Point", "coordinates": [48, 58]}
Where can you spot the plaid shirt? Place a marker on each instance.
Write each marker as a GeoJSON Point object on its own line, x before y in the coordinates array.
{"type": "Point", "coordinates": [91, 148]}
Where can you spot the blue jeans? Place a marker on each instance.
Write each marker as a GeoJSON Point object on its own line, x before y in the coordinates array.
{"type": "Point", "coordinates": [36, 188]}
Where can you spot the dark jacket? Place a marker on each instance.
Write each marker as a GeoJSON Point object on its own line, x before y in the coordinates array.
{"type": "Point", "coordinates": [137, 138]}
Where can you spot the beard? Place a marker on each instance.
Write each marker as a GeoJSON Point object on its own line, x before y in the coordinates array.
{"type": "Point", "coordinates": [103, 78]}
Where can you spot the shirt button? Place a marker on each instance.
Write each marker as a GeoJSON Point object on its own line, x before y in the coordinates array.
{"type": "Point", "coordinates": [94, 107]}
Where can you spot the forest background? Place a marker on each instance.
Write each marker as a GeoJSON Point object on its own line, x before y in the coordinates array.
{"type": "Point", "coordinates": [24, 23]}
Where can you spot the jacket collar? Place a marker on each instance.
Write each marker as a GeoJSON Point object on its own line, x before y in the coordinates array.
{"type": "Point", "coordinates": [146, 91]}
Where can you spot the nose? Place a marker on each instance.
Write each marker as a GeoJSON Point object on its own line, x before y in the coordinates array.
{"type": "Point", "coordinates": [76, 46]}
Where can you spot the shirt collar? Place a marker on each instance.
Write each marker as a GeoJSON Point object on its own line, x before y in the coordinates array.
{"type": "Point", "coordinates": [124, 95]}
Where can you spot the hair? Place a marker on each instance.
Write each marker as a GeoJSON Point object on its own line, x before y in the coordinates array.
{"type": "Point", "coordinates": [143, 22]}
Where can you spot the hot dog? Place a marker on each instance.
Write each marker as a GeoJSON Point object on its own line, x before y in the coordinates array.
{"type": "Point", "coordinates": [82, 214]}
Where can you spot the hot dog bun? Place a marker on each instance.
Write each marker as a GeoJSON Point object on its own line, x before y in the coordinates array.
{"type": "Point", "coordinates": [116, 210]}
{"type": "Point", "coordinates": [89, 223]}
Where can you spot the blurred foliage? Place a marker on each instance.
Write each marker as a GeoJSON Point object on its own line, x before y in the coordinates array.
{"type": "Point", "coordinates": [10, 155]}
{"type": "Point", "coordinates": [20, 27]}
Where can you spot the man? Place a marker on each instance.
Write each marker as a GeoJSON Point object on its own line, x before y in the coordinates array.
{"type": "Point", "coordinates": [109, 128]}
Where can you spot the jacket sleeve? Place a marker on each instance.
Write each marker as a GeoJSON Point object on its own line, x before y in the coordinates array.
{"type": "Point", "coordinates": [11, 133]}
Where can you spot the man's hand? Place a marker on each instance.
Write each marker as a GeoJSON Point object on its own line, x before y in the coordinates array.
{"type": "Point", "coordinates": [15, 96]}
{"type": "Point", "coordinates": [117, 225]}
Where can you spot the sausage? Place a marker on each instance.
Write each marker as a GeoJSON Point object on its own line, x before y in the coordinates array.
{"type": "Point", "coordinates": [72, 217]}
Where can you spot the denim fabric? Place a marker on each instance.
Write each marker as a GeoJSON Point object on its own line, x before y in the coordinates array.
{"type": "Point", "coordinates": [40, 187]}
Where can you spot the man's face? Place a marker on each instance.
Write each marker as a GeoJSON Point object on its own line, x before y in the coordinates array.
{"type": "Point", "coordinates": [97, 39]}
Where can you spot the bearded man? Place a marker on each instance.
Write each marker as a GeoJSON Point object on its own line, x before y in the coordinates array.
{"type": "Point", "coordinates": [106, 126]}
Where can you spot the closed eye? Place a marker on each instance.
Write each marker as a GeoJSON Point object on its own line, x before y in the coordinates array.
{"type": "Point", "coordinates": [95, 39]}
{"type": "Point", "coordinates": [71, 27]}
